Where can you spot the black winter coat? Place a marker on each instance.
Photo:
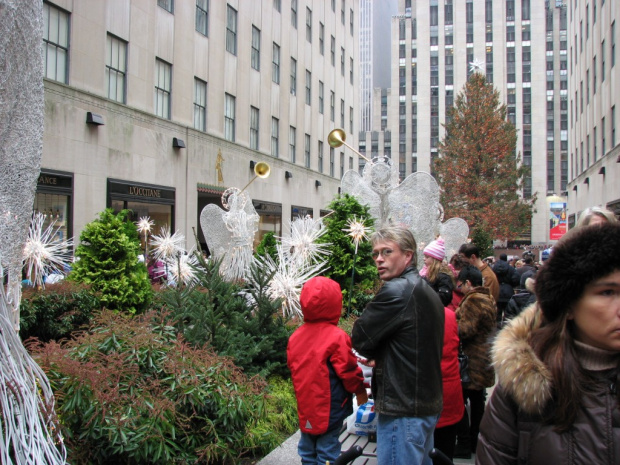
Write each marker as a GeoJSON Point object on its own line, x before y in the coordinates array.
{"type": "Point", "coordinates": [443, 286]}
{"type": "Point", "coordinates": [401, 329]}
{"type": "Point", "coordinates": [508, 279]}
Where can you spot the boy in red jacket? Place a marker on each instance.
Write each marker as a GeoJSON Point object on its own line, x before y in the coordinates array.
{"type": "Point", "coordinates": [324, 371]}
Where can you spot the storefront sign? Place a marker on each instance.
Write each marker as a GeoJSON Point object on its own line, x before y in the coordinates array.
{"type": "Point", "coordinates": [557, 220]}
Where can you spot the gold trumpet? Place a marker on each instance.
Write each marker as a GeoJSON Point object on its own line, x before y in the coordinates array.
{"type": "Point", "coordinates": [261, 170]}
{"type": "Point", "coordinates": [337, 137]}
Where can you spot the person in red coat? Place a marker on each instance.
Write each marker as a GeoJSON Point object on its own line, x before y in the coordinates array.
{"type": "Point", "coordinates": [324, 370]}
{"type": "Point", "coordinates": [453, 405]}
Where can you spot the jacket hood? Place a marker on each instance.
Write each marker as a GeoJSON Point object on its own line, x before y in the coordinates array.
{"type": "Point", "coordinates": [321, 300]}
{"type": "Point", "coordinates": [519, 370]}
{"type": "Point", "coordinates": [501, 268]}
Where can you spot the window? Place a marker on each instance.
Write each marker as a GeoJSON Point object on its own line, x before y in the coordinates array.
{"type": "Point", "coordinates": [292, 135]}
{"type": "Point", "coordinates": [254, 127]}
{"type": "Point", "coordinates": [333, 51]}
{"type": "Point", "coordinates": [308, 24]}
{"type": "Point", "coordinates": [613, 126]}
{"type": "Point", "coordinates": [613, 44]}
{"type": "Point", "coordinates": [603, 61]}
{"type": "Point", "coordinates": [603, 148]}
{"type": "Point", "coordinates": [321, 99]}
{"type": "Point", "coordinates": [255, 48]}
{"type": "Point", "coordinates": [277, 4]}
{"type": "Point", "coordinates": [231, 30]}
{"type": "Point", "coordinates": [116, 68]}
{"type": "Point", "coordinates": [350, 120]}
{"type": "Point", "coordinates": [320, 167]}
{"type": "Point", "coordinates": [342, 61]}
{"type": "Point", "coordinates": [525, 9]}
{"type": "Point", "coordinates": [351, 22]}
{"type": "Point", "coordinates": [332, 103]}
{"type": "Point", "coordinates": [293, 76]}
{"type": "Point", "coordinates": [163, 80]}
{"type": "Point", "coordinates": [229, 118]}
{"type": "Point", "coordinates": [275, 137]}
{"type": "Point", "coordinates": [322, 38]}
{"type": "Point", "coordinates": [331, 161]}
{"type": "Point", "coordinates": [308, 87]}
{"type": "Point", "coordinates": [307, 150]}
{"type": "Point", "coordinates": [202, 17]}
{"type": "Point", "coordinates": [594, 75]}
{"type": "Point", "coordinates": [342, 13]}
{"type": "Point", "coordinates": [55, 43]}
{"type": "Point", "coordinates": [275, 65]}
{"type": "Point", "coordinates": [341, 113]}
{"type": "Point", "coordinates": [200, 105]}
{"type": "Point", "coordinates": [351, 70]}
{"type": "Point", "coordinates": [167, 5]}
{"type": "Point", "coordinates": [294, 13]}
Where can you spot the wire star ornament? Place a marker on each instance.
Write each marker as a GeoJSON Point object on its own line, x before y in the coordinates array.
{"type": "Point", "coordinates": [476, 66]}
{"type": "Point", "coordinates": [145, 224]}
{"type": "Point", "coordinates": [166, 246]}
{"type": "Point", "coordinates": [43, 254]}
{"type": "Point", "coordinates": [357, 230]}
{"type": "Point", "coordinates": [288, 280]}
{"type": "Point", "coordinates": [303, 240]}
{"type": "Point", "coordinates": [183, 267]}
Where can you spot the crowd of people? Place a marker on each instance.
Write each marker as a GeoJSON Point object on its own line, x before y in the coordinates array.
{"type": "Point", "coordinates": [548, 333]}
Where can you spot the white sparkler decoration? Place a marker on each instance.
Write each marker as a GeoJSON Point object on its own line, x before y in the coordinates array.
{"type": "Point", "coordinates": [302, 241]}
{"type": "Point", "coordinates": [357, 230]}
{"type": "Point", "coordinates": [183, 267]}
{"type": "Point", "coordinates": [166, 246]}
{"type": "Point", "coordinates": [288, 280]}
{"type": "Point", "coordinates": [43, 253]}
{"type": "Point", "coordinates": [144, 225]}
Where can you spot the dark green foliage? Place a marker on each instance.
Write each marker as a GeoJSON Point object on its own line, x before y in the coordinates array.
{"type": "Point", "coordinates": [108, 261]}
{"type": "Point", "coordinates": [342, 248]}
{"type": "Point", "coordinates": [281, 419]}
{"type": "Point", "coordinates": [54, 312]}
{"type": "Point", "coordinates": [244, 325]}
{"type": "Point", "coordinates": [131, 391]}
{"type": "Point", "coordinates": [267, 246]}
{"type": "Point", "coordinates": [483, 240]}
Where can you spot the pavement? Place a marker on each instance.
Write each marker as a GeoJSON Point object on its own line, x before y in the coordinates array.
{"type": "Point", "coordinates": [286, 453]}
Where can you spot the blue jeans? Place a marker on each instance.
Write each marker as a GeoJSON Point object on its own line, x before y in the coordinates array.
{"type": "Point", "coordinates": [318, 449]}
{"type": "Point", "coordinates": [405, 440]}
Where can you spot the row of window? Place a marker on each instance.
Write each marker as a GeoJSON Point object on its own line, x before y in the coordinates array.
{"type": "Point", "coordinates": [56, 38]}
{"type": "Point", "coordinates": [582, 159]}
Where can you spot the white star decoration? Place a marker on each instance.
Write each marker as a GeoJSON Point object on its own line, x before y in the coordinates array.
{"type": "Point", "coordinates": [476, 66]}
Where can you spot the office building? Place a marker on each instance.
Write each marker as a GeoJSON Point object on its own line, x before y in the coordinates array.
{"type": "Point", "coordinates": [159, 106]}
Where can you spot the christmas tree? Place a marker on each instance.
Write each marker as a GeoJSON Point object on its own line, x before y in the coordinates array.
{"type": "Point", "coordinates": [479, 171]}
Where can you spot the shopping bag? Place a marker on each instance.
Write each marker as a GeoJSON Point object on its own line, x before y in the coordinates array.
{"type": "Point", "coordinates": [363, 420]}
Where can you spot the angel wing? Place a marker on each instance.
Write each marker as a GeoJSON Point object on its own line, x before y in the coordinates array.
{"type": "Point", "coordinates": [454, 232]}
{"type": "Point", "coordinates": [414, 203]}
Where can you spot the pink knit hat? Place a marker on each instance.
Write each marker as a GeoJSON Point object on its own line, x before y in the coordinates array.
{"type": "Point", "coordinates": [436, 249]}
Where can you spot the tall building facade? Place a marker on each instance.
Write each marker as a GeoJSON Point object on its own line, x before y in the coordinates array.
{"type": "Point", "coordinates": [520, 45]}
{"type": "Point", "coordinates": [594, 75]}
{"type": "Point", "coordinates": [159, 106]}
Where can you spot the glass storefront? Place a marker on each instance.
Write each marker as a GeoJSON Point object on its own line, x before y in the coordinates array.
{"type": "Point", "coordinates": [143, 200]}
{"type": "Point", "coordinates": [54, 199]}
{"type": "Point", "coordinates": [270, 215]}
{"type": "Point", "coordinates": [300, 212]}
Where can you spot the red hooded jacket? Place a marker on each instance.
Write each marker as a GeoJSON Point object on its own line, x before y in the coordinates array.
{"type": "Point", "coordinates": [323, 367]}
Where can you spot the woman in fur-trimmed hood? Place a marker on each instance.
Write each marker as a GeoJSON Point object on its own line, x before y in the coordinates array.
{"type": "Point", "coordinates": [558, 362]}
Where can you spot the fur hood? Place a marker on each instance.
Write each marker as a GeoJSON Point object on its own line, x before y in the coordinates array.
{"type": "Point", "coordinates": [519, 370]}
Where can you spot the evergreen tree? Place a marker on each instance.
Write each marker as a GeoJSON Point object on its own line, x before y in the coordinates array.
{"type": "Point", "coordinates": [342, 256]}
{"type": "Point", "coordinates": [108, 261]}
{"type": "Point", "coordinates": [479, 174]}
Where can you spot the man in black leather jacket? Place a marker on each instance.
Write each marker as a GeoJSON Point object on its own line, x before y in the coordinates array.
{"type": "Point", "coordinates": [401, 334]}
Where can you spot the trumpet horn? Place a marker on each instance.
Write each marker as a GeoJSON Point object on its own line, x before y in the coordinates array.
{"type": "Point", "coordinates": [261, 170]}
{"type": "Point", "coordinates": [337, 138]}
